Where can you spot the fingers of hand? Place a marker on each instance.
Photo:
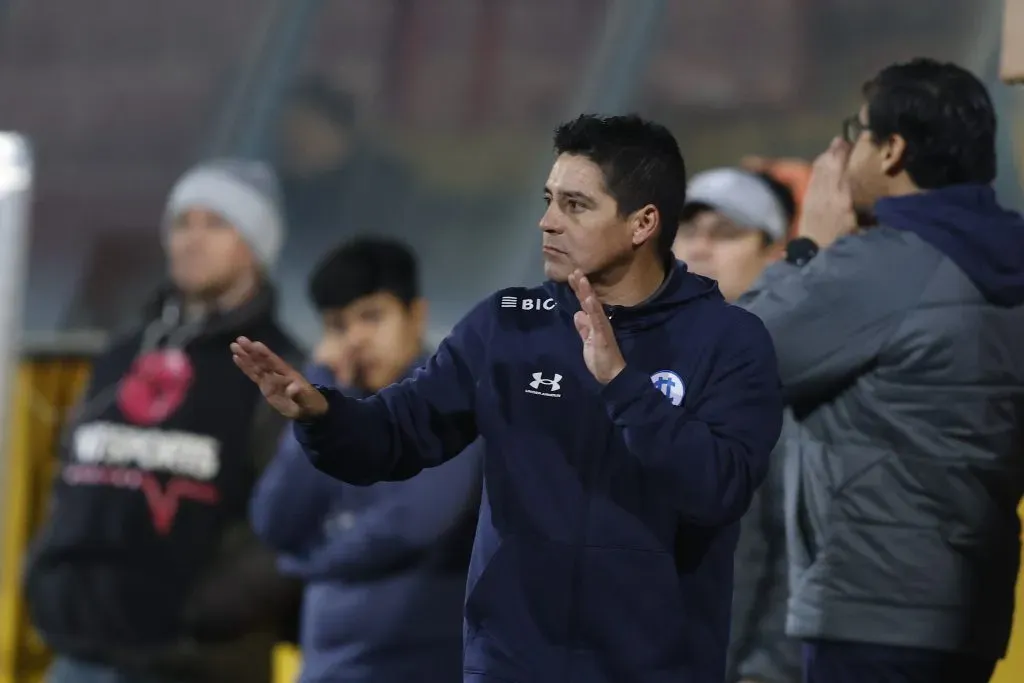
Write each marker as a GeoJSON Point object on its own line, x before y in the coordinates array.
{"type": "Point", "coordinates": [257, 355]}
{"type": "Point", "coordinates": [246, 357]}
{"type": "Point", "coordinates": [588, 300]}
{"type": "Point", "coordinates": [586, 291]}
{"type": "Point", "coordinates": [575, 283]}
{"type": "Point", "coordinates": [829, 174]}
{"type": "Point", "coordinates": [835, 148]}
{"type": "Point", "coordinates": [582, 322]}
{"type": "Point", "coordinates": [246, 366]}
{"type": "Point", "coordinates": [243, 344]}
{"type": "Point", "coordinates": [591, 321]}
{"type": "Point", "coordinates": [263, 366]}
{"type": "Point", "coordinates": [581, 286]}
{"type": "Point", "coordinates": [841, 156]}
{"type": "Point", "coordinates": [601, 326]}
{"type": "Point", "coordinates": [245, 363]}
{"type": "Point", "coordinates": [270, 361]}
{"type": "Point", "coordinates": [834, 158]}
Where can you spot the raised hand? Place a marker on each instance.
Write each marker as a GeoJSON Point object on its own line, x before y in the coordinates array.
{"type": "Point", "coordinates": [827, 210]}
{"type": "Point", "coordinates": [284, 387]}
{"type": "Point", "coordinates": [601, 351]}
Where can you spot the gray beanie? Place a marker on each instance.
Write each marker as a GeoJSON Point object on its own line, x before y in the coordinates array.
{"type": "Point", "coordinates": [245, 193]}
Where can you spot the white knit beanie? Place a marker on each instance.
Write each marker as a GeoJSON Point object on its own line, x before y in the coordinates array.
{"type": "Point", "coordinates": [246, 193]}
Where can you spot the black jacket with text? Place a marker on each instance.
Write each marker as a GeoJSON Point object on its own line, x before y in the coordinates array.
{"type": "Point", "coordinates": [146, 561]}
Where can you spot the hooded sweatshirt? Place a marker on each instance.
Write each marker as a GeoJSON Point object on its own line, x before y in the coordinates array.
{"type": "Point", "coordinates": [146, 562]}
{"type": "Point", "coordinates": [967, 224]}
{"type": "Point", "coordinates": [899, 350]}
{"type": "Point", "coordinates": [604, 550]}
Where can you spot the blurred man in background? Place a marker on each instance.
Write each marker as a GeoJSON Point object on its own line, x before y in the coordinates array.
{"type": "Point", "coordinates": [735, 223]}
{"type": "Point", "coordinates": [146, 570]}
{"type": "Point", "coordinates": [330, 175]}
{"type": "Point", "coordinates": [335, 181]}
{"type": "Point", "coordinates": [900, 354]}
{"type": "Point", "coordinates": [385, 565]}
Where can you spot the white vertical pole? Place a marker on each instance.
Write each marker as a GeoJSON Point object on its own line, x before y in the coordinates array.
{"type": "Point", "coordinates": [16, 175]}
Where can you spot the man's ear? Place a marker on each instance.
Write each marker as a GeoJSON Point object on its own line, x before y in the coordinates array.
{"type": "Point", "coordinates": [644, 224]}
{"type": "Point", "coordinates": [893, 150]}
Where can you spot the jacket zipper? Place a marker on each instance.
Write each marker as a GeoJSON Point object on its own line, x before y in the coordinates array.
{"type": "Point", "coordinates": [576, 583]}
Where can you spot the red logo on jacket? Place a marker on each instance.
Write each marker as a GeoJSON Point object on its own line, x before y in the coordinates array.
{"type": "Point", "coordinates": [155, 387]}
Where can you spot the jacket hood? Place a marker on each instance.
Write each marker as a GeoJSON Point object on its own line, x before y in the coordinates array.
{"type": "Point", "coordinates": [967, 224]}
{"type": "Point", "coordinates": [164, 322]}
{"type": "Point", "coordinates": [679, 288]}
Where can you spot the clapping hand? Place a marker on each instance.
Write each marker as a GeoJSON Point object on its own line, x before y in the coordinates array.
{"type": "Point", "coordinates": [827, 213]}
{"type": "Point", "coordinates": [600, 349]}
{"type": "Point", "coordinates": [284, 387]}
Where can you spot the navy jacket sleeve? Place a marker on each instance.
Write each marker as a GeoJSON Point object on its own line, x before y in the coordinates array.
{"type": "Point", "coordinates": [709, 455]}
{"type": "Point", "coordinates": [290, 501]}
{"type": "Point", "coordinates": [407, 520]}
{"type": "Point", "coordinates": [418, 423]}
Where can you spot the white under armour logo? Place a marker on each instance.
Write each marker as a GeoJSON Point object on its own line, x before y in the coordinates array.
{"type": "Point", "coordinates": [551, 385]}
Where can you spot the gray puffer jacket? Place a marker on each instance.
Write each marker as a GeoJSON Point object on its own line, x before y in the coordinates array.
{"type": "Point", "coordinates": [901, 351]}
{"type": "Point", "coordinates": [759, 649]}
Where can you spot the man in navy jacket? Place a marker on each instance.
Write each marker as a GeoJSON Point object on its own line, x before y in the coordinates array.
{"type": "Point", "coordinates": [628, 414]}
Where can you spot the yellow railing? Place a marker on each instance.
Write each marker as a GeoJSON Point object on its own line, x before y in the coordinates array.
{"type": "Point", "coordinates": [46, 388]}
{"type": "Point", "coordinates": [1011, 669]}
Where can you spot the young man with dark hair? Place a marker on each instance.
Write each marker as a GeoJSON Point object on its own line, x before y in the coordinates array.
{"type": "Point", "coordinates": [385, 566]}
{"type": "Point", "coordinates": [627, 412]}
{"type": "Point", "coordinates": [900, 355]}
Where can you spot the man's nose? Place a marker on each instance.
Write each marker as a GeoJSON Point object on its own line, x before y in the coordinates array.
{"type": "Point", "coordinates": [549, 221]}
{"type": "Point", "coordinates": [359, 339]}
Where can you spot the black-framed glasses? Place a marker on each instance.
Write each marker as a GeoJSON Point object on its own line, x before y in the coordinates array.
{"type": "Point", "coordinates": [852, 128]}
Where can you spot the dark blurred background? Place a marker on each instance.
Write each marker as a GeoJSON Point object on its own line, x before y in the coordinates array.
{"type": "Point", "coordinates": [451, 101]}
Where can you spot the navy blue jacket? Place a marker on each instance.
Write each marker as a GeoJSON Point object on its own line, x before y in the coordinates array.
{"type": "Point", "coordinates": [604, 549]}
{"type": "Point", "coordinates": [967, 224]}
{"type": "Point", "coordinates": [385, 565]}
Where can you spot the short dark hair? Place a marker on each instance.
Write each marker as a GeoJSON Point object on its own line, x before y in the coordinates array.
{"type": "Point", "coordinates": [361, 267]}
{"type": "Point", "coordinates": [318, 94]}
{"type": "Point", "coordinates": [641, 163]}
{"type": "Point", "coordinates": [945, 115]}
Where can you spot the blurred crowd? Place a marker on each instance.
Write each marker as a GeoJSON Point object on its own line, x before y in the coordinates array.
{"type": "Point", "coordinates": [189, 534]}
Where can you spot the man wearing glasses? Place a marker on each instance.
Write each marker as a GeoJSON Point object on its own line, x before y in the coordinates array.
{"type": "Point", "coordinates": [899, 348]}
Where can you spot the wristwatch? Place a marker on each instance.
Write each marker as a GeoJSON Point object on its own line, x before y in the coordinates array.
{"type": "Point", "coordinates": [801, 250]}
